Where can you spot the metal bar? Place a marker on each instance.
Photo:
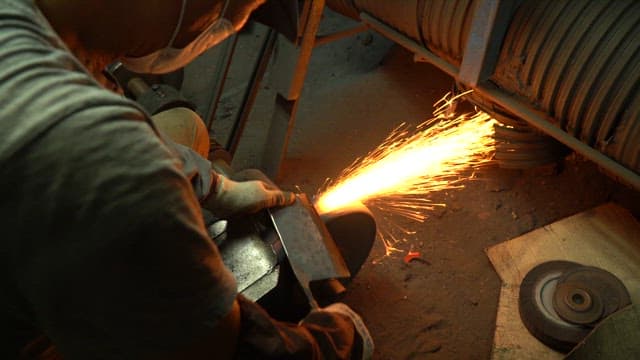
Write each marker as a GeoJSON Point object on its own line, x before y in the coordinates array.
{"type": "Point", "coordinates": [221, 77]}
{"type": "Point", "coordinates": [252, 91]}
{"type": "Point", "coordinates": [284, 113]}
{"type": "Point", "coordinates": [488, 28]}
{"type": "Point", "coordinates": [408, 43]}
{"type": "Point", "coordinates": [325, 39]}
{"type": "Point", "coordinates": [306, 45]}
{"type": "Point", "coordinates": [302, 20]}
{"type": "Point", "coordinates": [542, 122]}
{"type": "Point", "coordinates": [282, 122]}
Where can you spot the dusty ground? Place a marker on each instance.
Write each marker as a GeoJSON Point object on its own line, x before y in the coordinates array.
{"type": "Point", "coordinates": [357, 91]}
{"type": "Point", "coordinates": [444, 308]}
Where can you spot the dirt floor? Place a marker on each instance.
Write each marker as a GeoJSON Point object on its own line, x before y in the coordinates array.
{"type": "Point", "coordinates": [444, 307]}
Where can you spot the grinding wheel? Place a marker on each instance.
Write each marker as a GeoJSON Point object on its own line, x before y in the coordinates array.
{"type": "Point", "coordinates": [586, 295]}
{"type": "Point", "coordinates": [537, 311]}
{"type": "Point", "coordinates": [353, 229]}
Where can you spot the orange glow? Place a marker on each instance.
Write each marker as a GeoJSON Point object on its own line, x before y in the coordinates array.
{"type": "Point", "coordinates": [399, 175]}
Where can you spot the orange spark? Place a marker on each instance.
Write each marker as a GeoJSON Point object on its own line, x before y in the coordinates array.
{"type": "Point", "coordinates": [406, 167]}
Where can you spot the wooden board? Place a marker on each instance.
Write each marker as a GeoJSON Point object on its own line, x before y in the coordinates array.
{"type": "Point", "coordinates": [607, 237]}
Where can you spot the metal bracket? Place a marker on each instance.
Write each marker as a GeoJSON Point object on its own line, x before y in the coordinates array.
{"type": "Point", "coordinates": [488, 28]}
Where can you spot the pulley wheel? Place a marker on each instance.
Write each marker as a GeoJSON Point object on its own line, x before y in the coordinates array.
{"type": "Point", "coordinates": [577, 303]}
{"type": "Point", "coordinates": [537, 311]}
{"type": "Point", "coordinates": [586, 295]}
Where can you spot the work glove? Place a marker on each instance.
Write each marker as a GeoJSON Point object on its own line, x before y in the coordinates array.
{"type": "Point", "coordinates": [366, 347]}
{"type": "Point", "coordinates": [231, 198]}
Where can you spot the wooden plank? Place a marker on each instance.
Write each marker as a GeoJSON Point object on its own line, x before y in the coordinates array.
{"type": "Point", "coordinates": [607, 237]}
{"type": "Point", "coordinates": [509, 342]}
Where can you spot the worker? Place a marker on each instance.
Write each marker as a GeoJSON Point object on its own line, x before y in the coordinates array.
{"type": "Point", "coordinates": [103, 249]}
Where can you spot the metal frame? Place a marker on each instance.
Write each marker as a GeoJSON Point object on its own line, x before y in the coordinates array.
{"type": "Point", "coordinates": [290, 83]}
{"type": "Point", "coordinates": [252, 92]}
{"type": "Point", "coordinates": [294, 55]}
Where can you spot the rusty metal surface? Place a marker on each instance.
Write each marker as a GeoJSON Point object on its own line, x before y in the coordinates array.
{"type": "Point", "coordinates": [312, 253]}
{"type": "Point", "coordinates": [442, 26]}
{"type": "Point", "coordinates": [519, 147]}
{"type": "Point", "coordinates": [445, 25]}
{"type": "Point", "coordinates": [401, 15]}
{"type": "Point", "coordinates": [344, 7]}
{"type": "Point", "coordinates": [408, 43]}
{"type": "Point", "coordinates": [579, 61]}
{"type": "Point", "coordinates": [251, 260]}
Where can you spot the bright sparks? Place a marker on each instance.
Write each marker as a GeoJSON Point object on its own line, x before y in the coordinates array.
{"type": "Point", "coordinates": [400, 173]}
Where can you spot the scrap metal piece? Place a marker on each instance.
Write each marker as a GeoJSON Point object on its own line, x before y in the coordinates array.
{"type": "Point", "coordinates": [253, 263]}
{"type": "Point", "coordinates": [538, 313]}
{"type": "Point", "coordinates": [312, 253]}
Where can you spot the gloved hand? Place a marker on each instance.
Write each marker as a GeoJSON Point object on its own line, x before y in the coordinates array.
{"type": "Point", "coordinates": [231, 197]}
{"type": "Point", "coordinates": [360, 327]}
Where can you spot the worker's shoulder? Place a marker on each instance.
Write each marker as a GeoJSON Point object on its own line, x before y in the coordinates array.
{"type": "Point", "coordinates": [105, 136]}
{"type": "Point", "coordinates": [45, 87]}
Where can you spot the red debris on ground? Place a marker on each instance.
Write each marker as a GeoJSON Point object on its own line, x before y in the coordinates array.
{"type": "Point", "coordinates": [414, 255]}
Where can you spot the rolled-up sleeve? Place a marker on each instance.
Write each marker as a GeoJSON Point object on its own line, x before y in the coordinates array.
{"type": "Point", "coordinates": [196, 168]}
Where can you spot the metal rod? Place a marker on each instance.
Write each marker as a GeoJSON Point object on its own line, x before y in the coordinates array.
{"type": "Point", "coordinates": [252, 91]}
{"type": "Point", "coordinates": [306, 45]}
{"type": "Point", "coordinates": [408, 43]}
{"type": "Point", "coordinates": [543, 123]}
{"type": "Point", "coordinates": [220, 80]}
{"type": "Point", "coordinates": [324, 39]}
{"type": "Point", "coordinates": [302, 20]}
